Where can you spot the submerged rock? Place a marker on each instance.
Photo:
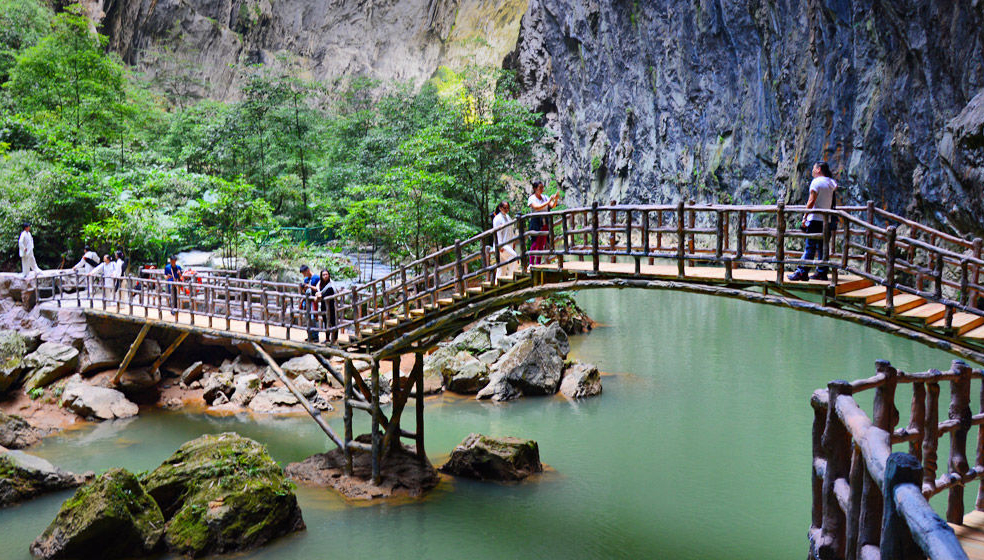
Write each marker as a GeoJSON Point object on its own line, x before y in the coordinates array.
{"type": "Point", "coordinates": [581, 380]}
{"type": "Point", "coordinates": [49, 363]}
{"type": "Point", "coordinates": [96, 402]}
{"type": "Point", "coordinates": [487, 458]}
{"type": "Point", "coordinates": [112, 517]}
{"type": "Point", "coordinates": [402, 473]}
{"type": "Point", "coordinates": [222, 493]}
{"type": "Point", "coordinates": [17, 433]}
{"type": "Point", "coordinates": [24, 476]}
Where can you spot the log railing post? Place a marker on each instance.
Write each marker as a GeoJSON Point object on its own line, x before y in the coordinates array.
{"type": "Point", "coordinates": [964, 282]}
{"type": "Point", "coordinates": [836, 443]}
{"type": "Point", "coordinates": [977, 243]}
{"type": "Point", "coordinates": [740, 240]}
{"type": "Point", "coordinates": [355, 311]}
{"type": "Point", "coordinates": [646, 249]}
{"type": "Point", "coordinates": [896, 540]}
{"type": "Point", "coordinates": [692, 223]}
{"type": "Point", "coordinates": [459, 269]}
{"type": "Point", "coordinates": [418, 376]}
{"type": "Point", "coordinates": [780, 242]}
{"type": "Point", "coordinates": [228, 306]}
{"type": "Point", "coordinates": [979, 504]}
{"type": "Point", "coordinates": [681, 240]}
{"type": "Point", "coordinates": [917, 418]}
{"type": "Point", "coordinates": [884, 416]}
{"type": "Point", "coordinates": [930, 439]}
{"type": "Point", "coordinates": [869, 234]}
{"type": "Point", "coordinates": [595, 257]}
{"type": "Point", "coordinates": [521, 230]}
{"type": "Point", "coordinates": [938, 275]}
{"type": "Point", "coordinates": [960, 413]}
{"type": "Point", "coordinates": [567, 242]}
{"type": "Point", "coordinates": [719, 241]}
{"type": "Point", "coordinates": [405, 292]}
{"type": "Point", "coordinates": [890, 270]}
{"type": "Point", "coordinates": [612, 233]}
{"type": "Point", "coordinates": [819, 454]}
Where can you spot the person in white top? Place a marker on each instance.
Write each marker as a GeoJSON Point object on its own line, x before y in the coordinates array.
{"type": "Point", "coordinates": [822, 190]}
{"type": "Point", "coordinates": [538, 202]}
{"type": "Point", "coordinates": [89, 260]}
{"type": "Point", "coordinates": [25, 247]}
{"type": "Point", "coordinates": [505, 239]}
{"type": "Point", "coordinates": [107, 271]}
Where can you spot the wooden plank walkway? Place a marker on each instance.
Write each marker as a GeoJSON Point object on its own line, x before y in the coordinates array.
{"type": "Point", "coordinates": [971, 534]}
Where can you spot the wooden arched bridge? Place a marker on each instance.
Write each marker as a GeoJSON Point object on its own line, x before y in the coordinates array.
{"type": "Point", "coordinates": [886, 272]}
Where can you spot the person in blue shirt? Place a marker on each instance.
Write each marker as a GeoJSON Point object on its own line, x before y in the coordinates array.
{"type": "Point", "coordinates": [309, 287]}
{"type": "Point", "coordinates": [172, 275]}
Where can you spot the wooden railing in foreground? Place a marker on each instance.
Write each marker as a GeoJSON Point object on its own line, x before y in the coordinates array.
{"type": "Point", "coordinates": [864, 241]}
{"type": "Point", "coordinates": [871, 503]}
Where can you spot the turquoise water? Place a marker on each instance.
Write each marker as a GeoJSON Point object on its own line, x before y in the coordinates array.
{"type": "Point", "coordinates": [698, 448]}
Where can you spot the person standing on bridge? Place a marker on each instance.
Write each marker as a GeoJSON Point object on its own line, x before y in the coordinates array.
{"type": "Point", "coordinates": [505, 239]}
{"type": "Point", "coordinates": [25, 247]}
{"type": "Point", "coordinates": [89, 261]}
{"type": "Point", "coordinates": [329, 314]}
{"type": "Point", "coordinates": [539, 202]}
{"type": "Point", "coordinates": [822, 190]}
{"type": "Point", "coordinates": [172, 275]}
{"type": "Point", "coordinates": [309, 289]}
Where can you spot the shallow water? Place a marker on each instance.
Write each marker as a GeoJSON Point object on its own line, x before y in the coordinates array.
{"type": "Point", "coordinates": [699, 447]}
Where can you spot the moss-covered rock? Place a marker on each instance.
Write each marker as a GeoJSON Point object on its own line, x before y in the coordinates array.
{"type": "Point", "coordinates": [112, 517]}
{"type": "Point", "coordinates": [13, 347]}
{"type": "Point", "coordinates": [488, 458]}
{"type": "Point", "coordinates": [24, 476]}
{"type": "Point", "coordinates": [223, 493]}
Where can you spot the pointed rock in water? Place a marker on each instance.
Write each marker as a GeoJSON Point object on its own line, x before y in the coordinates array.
{"type": "Point", "coordinates": [487, 458]}
{"type": "Point", "coordinates": [111, 517]}
{"type": "Point", "coordinates": [222, 493]}
{"type": "Point", "coordinates": [49, 363]}
{"type": "Point", "coordinates": [17, 433]}
{"type": "Point", "coordinates": [96, 402]}
{"type": "Point", "coordinates": [580, 381]}
{"type": "Point", "coordinates": [24, 476]}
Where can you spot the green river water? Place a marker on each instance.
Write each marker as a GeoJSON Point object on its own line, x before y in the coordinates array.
{"type": "Point", "coordinates": [699, 447]}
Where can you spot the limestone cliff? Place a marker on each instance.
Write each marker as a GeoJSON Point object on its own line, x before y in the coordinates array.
{"type": "Point", "coordinates": [724, 100]}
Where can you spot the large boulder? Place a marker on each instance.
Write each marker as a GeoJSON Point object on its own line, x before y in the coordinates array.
{"type": "Point", "coordinates": [487, 458]}
{"type": "Point", "coordinates": [219, 386]}
{"type": "Point", "coordinates": [137, 383]}
{"type": "Point", "coordinates": [111, 517]}
{"type": "Point", "coordinates": [100, 354]}
{"type": "Point", "coordinates": [275, 399]}
{"type": "Point", "coordinates": [16, 433]}
{"type": "Point", "coordinates": [192, 373]}
{"type": "Point", "coordinates": [247, 386]}
{"type": "Point", "coordinates": [222, 493]}
{"type": "Point", "coordinates": [533, 366]}
{"type": "Point", "coordinates": [49, 363]}
{"type": "Point", "coordinates": [465, 374]}
{"type": "Point", "coordinates": [96, 402]}
{"type": "Point", "coordinates": [475, 340]}
{"type": "Point", "coordinates": [13, 348]}
{"type": "Point", "coordinates": [306, 366]}
{"type": "Point", "coordinates": [580, 381]}
{"type": "Point", "coordinates": [24, 476]}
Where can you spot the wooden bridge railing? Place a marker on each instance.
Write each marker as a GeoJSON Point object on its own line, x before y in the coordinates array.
{"type": "Point", "coordinates": [863, 241]}
{"type": "Point", "coordinates": [871, 503]}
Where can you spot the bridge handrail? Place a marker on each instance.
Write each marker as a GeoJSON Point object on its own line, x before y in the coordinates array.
{"type": "Point", "coordinates": [854, 467]}
{"type": "Point", "coordinates": [870, 243]}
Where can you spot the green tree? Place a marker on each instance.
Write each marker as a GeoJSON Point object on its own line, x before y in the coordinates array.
{"type": "Point", "coordinates": [22, 24]}
{"type": "Point", "coordinates": [228, 212]}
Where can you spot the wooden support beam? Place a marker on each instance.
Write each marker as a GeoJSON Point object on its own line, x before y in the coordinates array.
{"type": "Point", "coordinates": [376, 438]}
{"type": "Point", "coordinates": [315, 414]}
{"type": "Point", "coordinates": [170, 350]}
{"type": "Point", "coordinates": [418, 376]}
{"type": "Point", "coordinates": [131, 353]}
{"type": "Point", "coordinates": [400, 394]}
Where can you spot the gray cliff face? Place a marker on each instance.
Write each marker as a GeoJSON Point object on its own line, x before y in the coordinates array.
{"type": "Point", "coordinates": [718, 100]}
{"type": "Point", "coordinates": [193, 45]}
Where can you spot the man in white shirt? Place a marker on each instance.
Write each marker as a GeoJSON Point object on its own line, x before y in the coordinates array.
{"type": "Point", "coordinates": [821, 196]}
{"type": "Point", "coordinates": [25, 246]}
{"type": "Point", "coordinates": [505, 239]}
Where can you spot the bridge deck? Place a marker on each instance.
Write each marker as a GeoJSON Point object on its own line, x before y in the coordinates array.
{"type": "Point", "coordinates": [971, 535]}
{"type": "Point", "coordinates": [749, 276]}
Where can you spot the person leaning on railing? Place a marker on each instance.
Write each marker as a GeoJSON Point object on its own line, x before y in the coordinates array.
{"type": "Point", "coordinates": [505, 238]}
{"type": "Point", "coordinates": [539, 202]}
{"type": "Point", "coordinates": [172, 275]}
{"type": "Point", "coordinates": [822, 190]}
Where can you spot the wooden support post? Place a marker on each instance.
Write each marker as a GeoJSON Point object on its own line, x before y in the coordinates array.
{"type": "Point", "coordinates": [646, 248]}
{"type": "Point", "coordinates": [858, 479]}
{"type": "Point", "coordinates": [979, 504]}
{"type": "Point", "coordinates": [938, 275]}
{"type": "Point", "coordinates": [347, 416]}
{"type": "Point", "coordinates": [819, 454]}
{"type": "Point", "coordinates": [917, 417]}
{"type": "Point", "coordinates": [131, 353]}
{"type": "Point", "coordinates": [728, 269]}
{"type": "Point", "coordinates": [959, 412]}
{"type": "Point", "coordinates": [869, 234]}
{"type": "Point", "coordinates": [405, 292]}
{"type": "Point", "coordinates": [977, 244]}
{"type": "Point", "coordinates": [316, 415]}
{"type": "Point", "coordinates": [691, 223]}
{"type": "Point", "coordinates": [521, 232]}
{"type": "Point", "coordinates": [836, 443]}
{"type": "Point", "coordinates": [884, 415]}
{"type": "Point", "coordinates": [459, 269]}
{"type": "Point", "coordinates": [595, 257]}
{"type": "Point", "coordinates": [228, 306]}
{"type": "Point", "coordinates": [170, 350]}
{"type": "Point", "coordinates": [930, 430]}
{"type": "Point", "coordinates": [418, 376]}
{"type": "Point", "coordinates": [896, 539]}
{"type": "Point", "coordinates": [780, 243]}
{"type": "Point", "coordinates": [740, 241]}
{"type": "Point", "coordinates": [399, 394]}
{"type": "Point", "coordinates": [376, 439]}
{"type": "Point", "coordinates": [612, 236]}
{"type": "Point", "coordinates": [890, 270]}
{"type": "Point", "coordinates": [355, 311]}
{"type": "Point", "coordinates": [964, 281]}
{"type": "Point", "coordinates": [719, 241]}
{"type": "Point", "coordinates": [681, 270]}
